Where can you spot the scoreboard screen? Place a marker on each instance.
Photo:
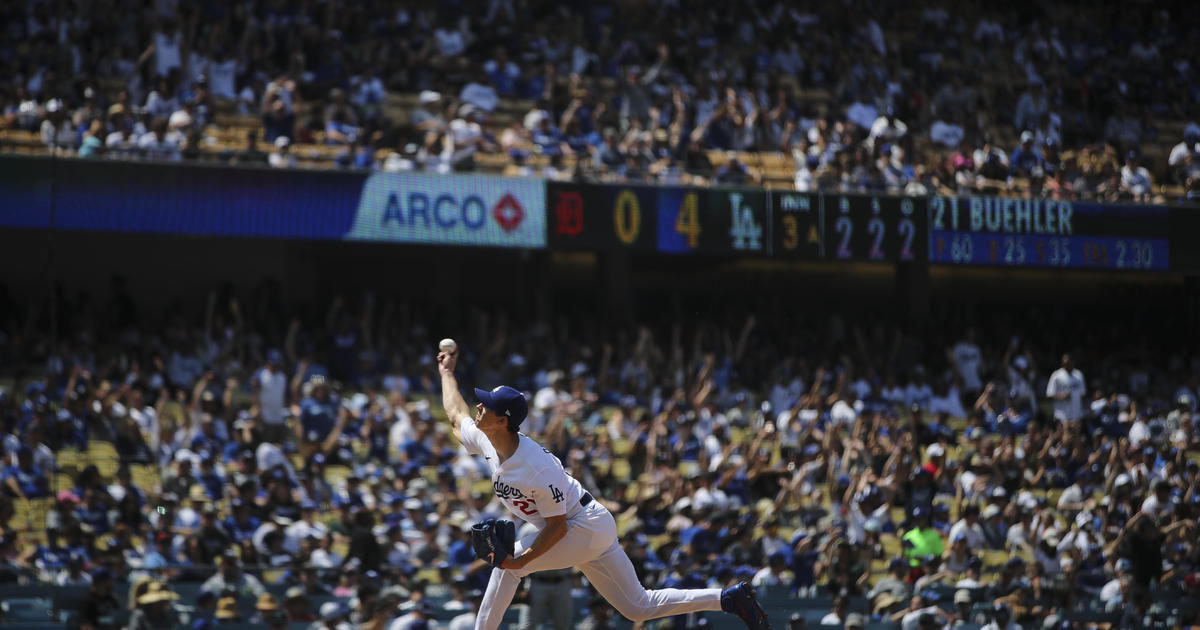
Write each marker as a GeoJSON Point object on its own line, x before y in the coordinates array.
{"type": "Point", "coordinates": [713, 221]}
{"type": "Point", "coordinates": [591, 217]}
{"type": "Point", "coordinates": [796, 226]}
{"type": "Point", "coordinates": [1047, 233]}
{"type": "Point", "coordinates": [873, 229]}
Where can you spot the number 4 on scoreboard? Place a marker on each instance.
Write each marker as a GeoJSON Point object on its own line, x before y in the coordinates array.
{"type": "Point", "coordinates": [687, 222]}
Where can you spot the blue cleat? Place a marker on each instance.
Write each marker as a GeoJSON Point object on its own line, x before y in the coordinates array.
{"type": "Point", "coordinates": [739, 600]}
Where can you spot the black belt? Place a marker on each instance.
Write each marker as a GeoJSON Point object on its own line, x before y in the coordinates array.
{"type": "Point", "coordinates": [585, 500]}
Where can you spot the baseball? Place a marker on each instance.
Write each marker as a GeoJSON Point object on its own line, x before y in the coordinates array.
{"type": "Point", "coordinates": [448, 346]}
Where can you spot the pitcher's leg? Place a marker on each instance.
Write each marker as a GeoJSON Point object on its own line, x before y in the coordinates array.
{"type": "Point", "coordinates": [614, 578]}
{"type": "Point", "coordinates": [500, 591]}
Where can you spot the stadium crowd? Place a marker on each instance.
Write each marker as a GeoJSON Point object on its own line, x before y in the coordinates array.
{"type": "Point", "coordinates": [931, 476]}
{"type": "Point", "coordinates": [1059, 102]}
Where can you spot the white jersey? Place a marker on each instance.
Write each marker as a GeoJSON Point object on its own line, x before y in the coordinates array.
{"type": "Point", "coordinates": [532, 483]}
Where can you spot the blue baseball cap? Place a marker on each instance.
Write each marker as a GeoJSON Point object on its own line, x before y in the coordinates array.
{"type": "Point", "coordinates": [505, 401]}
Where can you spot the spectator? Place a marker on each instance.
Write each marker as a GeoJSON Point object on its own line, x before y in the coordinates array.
{"type": "Point", "coordinates": [58, 134]}
{"type": "Point", "coordinates": [921, 539]}
{"type": "Point", "coordinates": [480, 93]}
{"type": "Point", "coordinates": [968, 361]}
{"type": "Point", "coordinates": [838, 616]}
{"type": "Point", "coordinates": [227, 611]}
{"type": "Point", "coordinates": [297, 606]}
{"type": "Point", "coordinates": [98, 608]}
{"type": "Point", "coordinates": [251, 155]}
{"type": "Point", "coordinates": [1066, 388]}
{"type": "Point", "coordinates": [1026, 160]}
{"type": "Point", "coordinates": [24, 479]}
{"type": "Point", "coordinates": [887, 129]}
{"type": "Point", "coordinates": [92, 144]}
{"type": "Point", "coordinates": [282, 156]}
{"type": "Point", "coordinates": [231, 579]}
{"type": "Point", "coordinates": [1001, 619]}
{"type": "Point", "coordinates": [732, 173]}
{"type": "Point", "coordinates": [206, 607]}
{"type": "Point", "coordinates": [335, 616]}
{"type": "Point", "coordinates": [1135, 179]}
{"type": "Point", "coordinates": [419, 616]}
{"type": "Point", "coordinates": [160, 143]}
{"type": "Point", "coordinates": [154, 608]}
{"type": "Point", "coordinates": [270, 389]}
{"type": "Point", "coordinates": [894, 584]}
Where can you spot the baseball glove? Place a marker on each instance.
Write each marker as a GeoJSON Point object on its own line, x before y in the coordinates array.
{"type": "Point", "coordinates": [494, 540]}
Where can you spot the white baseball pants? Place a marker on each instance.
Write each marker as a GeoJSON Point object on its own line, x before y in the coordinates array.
{"type": "Point", "coordinates": [591, 545]}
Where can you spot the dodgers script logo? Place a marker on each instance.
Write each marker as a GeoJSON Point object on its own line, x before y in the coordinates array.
{"type": "Point", "coordinates": [505, 491]}
{"type": "Point", "coordinates": [452, 210]}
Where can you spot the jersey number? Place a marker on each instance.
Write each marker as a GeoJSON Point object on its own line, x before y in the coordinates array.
{"type": "Point", "coordinates": [527, 506]}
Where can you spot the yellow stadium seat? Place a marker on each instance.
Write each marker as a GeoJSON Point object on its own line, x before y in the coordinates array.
{"type": "Point", "coordinates": [621, 469]}
{"type": "Point", "coordinates": [335, 474]}
{"type": "Point", "coordinates": [98, 449]}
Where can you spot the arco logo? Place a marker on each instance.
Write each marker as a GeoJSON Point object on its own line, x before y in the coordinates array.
{"type": "Point", "coordinates": [508, 213]}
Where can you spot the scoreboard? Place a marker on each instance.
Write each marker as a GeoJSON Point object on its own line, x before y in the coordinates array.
{"type": "Point", "coordinates": [1047, 233]}
{"type": "Point", "coordinates": [797, 227]}
{"type": "Point", "coordinates": [594, 217]}
{"type": "Point", "coordinates": [713, 221]}
{"type": "Point", "coordinates": [981, 231]}
{"type": "Point", "coordinates": [874, 228]}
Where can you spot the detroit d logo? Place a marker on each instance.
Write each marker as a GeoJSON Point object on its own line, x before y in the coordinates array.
{"type": "Point", "coordinates": [569, 214]}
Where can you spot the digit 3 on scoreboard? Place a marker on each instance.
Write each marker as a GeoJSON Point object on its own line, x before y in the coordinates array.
{"type": "Point", "coordinates": [796, 229]}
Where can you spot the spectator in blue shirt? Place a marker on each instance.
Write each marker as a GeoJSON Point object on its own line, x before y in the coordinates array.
{"type": "Point", "coordinates": [460, 552]}
{"type": "Point", "coordinates": [25, 481]}
{"type": "Point", "coordinates": [160, 555]}
{"type": "Point", "coordinates": [93, 511]}
{"type": "Point", "coordinates": [1026, 160]}
{"type": "Point", "coordinates": [241, 525]}
{"type": "Point", "coordinates": [318, 413]}
{"type": "Point", "coordinates": [549, 139]}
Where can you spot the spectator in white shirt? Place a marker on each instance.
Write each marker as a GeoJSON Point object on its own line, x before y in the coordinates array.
{"type": "Point", "coordinates": [1112, 589]}
{"type": "Point", "coordinates": [1190, 145]}
{"type": "Point", "coordinates": [270, 391]}
{"type": "Point", "coordinates": [160, 144]}
{"type": "Point", "coordinates": [480, 93]}
{"type": "Point", "coordinates": [806, 175]}
{"type": "Point", "coordinates": [58, 134]}
{"type": "Point", "coordinates": [1136, 179]}
{"type": "Point", "coordinates": [222, 72]}
{"type": "Point", "coordinates": [466, 135]}
{"type": "Point", "coordinates": [968, 360]}
{"type": "Point", "coordinates": [282, 156]}
{"type": "Point", "coordinates": [1066, 388]}
{"type": "Point", "coordinates": [841, 608]}
{"type": "Point", "coordinates": [887, 128]}
{"type": "Point", "coordinates": [167, 49]}
{"type": "Point", "coordinates": [1158, 503]}
{"type": "Point", "coordinates": [969, 526]}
